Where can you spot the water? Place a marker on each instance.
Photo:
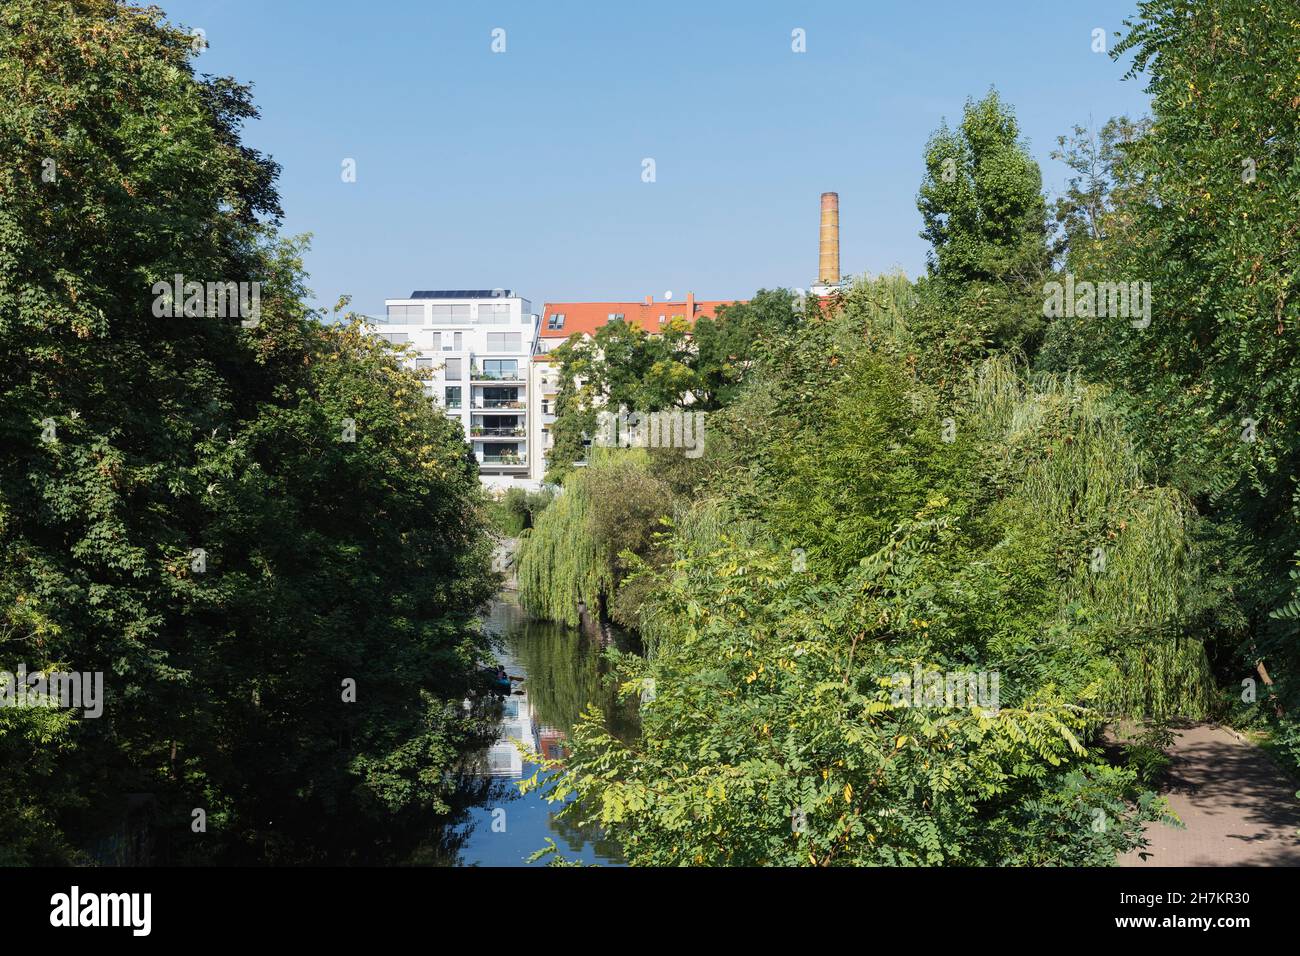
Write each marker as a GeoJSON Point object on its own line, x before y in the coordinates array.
{"type": "Point", "coordinates": [563, 671]}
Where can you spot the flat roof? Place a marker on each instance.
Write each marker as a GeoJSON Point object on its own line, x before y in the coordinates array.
{"type": "Point", "coordinates": [462, 294]}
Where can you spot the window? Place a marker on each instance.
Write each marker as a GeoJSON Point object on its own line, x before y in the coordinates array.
{"type": "Point", "coordinates": [555, 322]}
{"type": "Point", "coordinates": [493, 313]}
{"type": "Point", "coordinates": [396, 338]}
{"type": "Point", "coordinates": [616, 317]}
{"type": "Point", "coordinates": [662, 319]}
{"type": "Point", "coordinates": [546, 406]}
{"type": "Point", "coordinates": [503, 342]}
{"type": "Point", "coordinates": [459, 344]}
{"type": "Point", "coordinates": [436, 339]}
{"type": "Point", "coordinates": [450, 314]}
{"type": "Point", "coordinates": [500, 368]}
{"type": "Point", "coordinates": [423, 364]}
{"type": "Point", "coordinates": [428, 391]}
{"type": "Point", "coordinates": [452, 371]}
{"type": "Point", "coordinates": [451, 396]}
{"type": "Point", "coordinates": [406, 313]}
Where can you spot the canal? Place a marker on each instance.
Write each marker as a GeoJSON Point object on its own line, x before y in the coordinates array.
{"type": "Point", "coordinates": [564, 672]}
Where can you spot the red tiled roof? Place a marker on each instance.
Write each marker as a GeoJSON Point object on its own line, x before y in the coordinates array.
{"type": "Point", "coordinates": [589, 316]}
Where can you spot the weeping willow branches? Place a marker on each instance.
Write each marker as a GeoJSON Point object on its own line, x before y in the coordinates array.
{"type": "Point", "coordinates": [1125, 547]}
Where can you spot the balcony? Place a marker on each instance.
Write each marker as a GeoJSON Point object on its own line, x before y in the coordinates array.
{"type": "Point", "coordinates": [500, 403]}
{"type": "Point", "coordinates": [504, 461]}
{"type": "Point", "coordinates": [483, 431]}
{"type": "Point", "coordinates": [477, 374]}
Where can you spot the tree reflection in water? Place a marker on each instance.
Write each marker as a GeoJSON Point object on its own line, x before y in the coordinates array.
{"type": "Point", "coordinates": [565, 672]}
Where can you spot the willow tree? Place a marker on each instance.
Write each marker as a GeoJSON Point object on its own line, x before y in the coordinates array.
{"type": "Point", "coordinates": [585, 542]}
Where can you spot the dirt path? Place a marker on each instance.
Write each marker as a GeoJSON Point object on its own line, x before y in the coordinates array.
{"type": "Point", "coordinates": [1240, 810]}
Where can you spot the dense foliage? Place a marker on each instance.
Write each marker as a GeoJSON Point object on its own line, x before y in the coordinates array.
{"type": "Point", "coordinates": [1203, 203]}
{"type": "Point", "coordinates": [941, 535]}
{"type": "Point", "coordinates": [228, 519]}
{"type": "Point", "coordinates": [702, 364]}
{"type": "Point", "coordinates": [578, 550]}
{"type": "Point", "coordinates": [982, 206]}
{"type": "Point", "coordinates": [841, 540]}
{"type": "Point", "coordinates": [949, 476]}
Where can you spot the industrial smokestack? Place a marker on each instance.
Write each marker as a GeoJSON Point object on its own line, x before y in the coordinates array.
{"type": "Point", "coordinates": [828, 265]}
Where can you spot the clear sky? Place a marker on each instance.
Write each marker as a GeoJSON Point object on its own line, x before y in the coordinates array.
{"type": "Point", "coordinates": [523, 169]}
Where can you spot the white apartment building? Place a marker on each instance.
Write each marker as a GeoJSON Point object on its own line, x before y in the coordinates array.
{"type": "Point", "coordinates": [473, 350]}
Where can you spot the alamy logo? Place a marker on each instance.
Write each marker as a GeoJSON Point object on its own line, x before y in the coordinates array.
{"type": "Point", "coordinates": [55, 689]}
{"type": "Point", "coordinates": [134, 910]}
{"type": "Point", "coordinates": [672, 429]}
{"type": "Point", "coordinates": [1086, 300]}
{"type": "Point", "coordinates": [955, 689]}
{"type": "Point", "coordinates": [213, 300]}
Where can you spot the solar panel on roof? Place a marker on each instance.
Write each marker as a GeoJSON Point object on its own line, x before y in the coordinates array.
{"type": "Point", "coordinates": [462, 294]}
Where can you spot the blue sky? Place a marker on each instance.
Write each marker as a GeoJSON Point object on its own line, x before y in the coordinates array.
{"type": "Point", "coordinates": [523, 169]}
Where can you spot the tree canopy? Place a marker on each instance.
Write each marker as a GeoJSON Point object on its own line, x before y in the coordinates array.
{"type": "Point", "coordinates": [229, 519]}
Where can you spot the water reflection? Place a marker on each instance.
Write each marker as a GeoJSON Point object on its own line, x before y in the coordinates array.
{"type": "Point", "coordinates": [562, 671]}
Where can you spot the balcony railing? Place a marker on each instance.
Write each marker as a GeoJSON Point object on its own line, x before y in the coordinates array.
{"type": "Point", "coordinates": [511, 413]}
{"type": "Point", "coordinates": [480, 431]}
{"type": "Point", "coordinates": [450, 405]}
{"type": "Point", "coordinates": [500, 403]}
{"type": "Point", "coordinates": [483, 375]}
{"type": "Point", "coordinates": [519, 460]}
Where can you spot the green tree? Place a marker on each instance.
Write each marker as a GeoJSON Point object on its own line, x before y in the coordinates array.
{"type": "Point", "coordinates": [1208, 218]}
{"type": "Point", "coordinates": [226, 518]}
{"type": "Point", "coordinates": [981, 199]}
{"type": "Point", "coordinates": [1102, 184]}
{"type": "Point", "coordinates": [623, 366]}
{"type": "Point", "coordinates": [728, 345]}
{"type": "Point", "coordinates": [985, 217]}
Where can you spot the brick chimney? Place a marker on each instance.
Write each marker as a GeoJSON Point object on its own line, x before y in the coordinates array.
{"type": "Point", "coordinates": [690, 305]}
{"type": "Point", "coordinates": [649, 300]}
{"type": "Point", "coordinates": [828, 265]}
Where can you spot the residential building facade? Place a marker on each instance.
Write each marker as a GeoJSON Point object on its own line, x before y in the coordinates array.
{"type": "Point", "coordinates": [472, 350]}
{"type": "Point", "coordinates": [559, 321]}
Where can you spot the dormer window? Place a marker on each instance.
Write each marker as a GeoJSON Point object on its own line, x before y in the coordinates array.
{"type": "Point", "coordinates": [555, 322]}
